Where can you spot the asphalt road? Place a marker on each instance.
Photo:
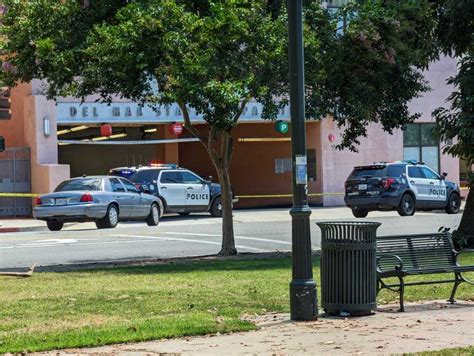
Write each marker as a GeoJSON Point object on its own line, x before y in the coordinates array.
{"type": "Point", "coordinates": [265, 230]}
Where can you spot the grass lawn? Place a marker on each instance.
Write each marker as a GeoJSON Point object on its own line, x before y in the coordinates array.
{"type": "Point", "coordinates": [460, 351]}
{"type": "Point", "coordinates": [97, 307]}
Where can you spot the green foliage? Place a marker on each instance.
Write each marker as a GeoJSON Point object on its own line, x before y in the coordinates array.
{"type": "Point", "coordinates": [457, 122]}
{"type": "Point", "coordinates": [455, 33]}
{"type": "Point", "coordinates": [455, 25]}
{"type": "Point", "coordinates": [368, 70]}
{"type": "Point", "coordinates": [213, 55]}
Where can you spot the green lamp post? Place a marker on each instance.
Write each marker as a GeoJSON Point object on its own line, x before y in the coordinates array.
{"type": "Point", "coordinates": [303, 300]}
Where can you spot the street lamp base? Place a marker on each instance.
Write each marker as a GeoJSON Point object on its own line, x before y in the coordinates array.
{"type": "Point", "coordinates": [303, 300]}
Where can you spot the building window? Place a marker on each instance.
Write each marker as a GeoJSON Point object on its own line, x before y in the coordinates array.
{"type": "Point", "coordinates": [5, 103]}
{"type": "Point", "coordinates": [419, 144]}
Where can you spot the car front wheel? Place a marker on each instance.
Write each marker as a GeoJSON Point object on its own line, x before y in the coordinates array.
{"type": "Point", "coordinates": [454, 204]}
{"type": "Point", "coordinates": [153, 218]}
{"type": "Point", "coordinates": [216, 208]}
{"type": "Point", "coordinates": [360, 213]}
{"type": "Point", "coordinates": [54, 225]}
{"type": "Point", "coordinates": [406, 206]}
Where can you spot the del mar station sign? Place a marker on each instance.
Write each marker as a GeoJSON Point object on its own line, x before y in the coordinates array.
{"type": "Point", "coordinates": [97, 113]}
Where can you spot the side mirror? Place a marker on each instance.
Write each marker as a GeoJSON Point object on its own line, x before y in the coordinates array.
{"type": "Point", "coordinates": [209, 178]}
{"type": "Point", "coordinates": [443, 175]}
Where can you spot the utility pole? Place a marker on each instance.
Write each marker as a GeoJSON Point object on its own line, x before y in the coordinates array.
{"type": "Point", "coordinates": [303, 300]}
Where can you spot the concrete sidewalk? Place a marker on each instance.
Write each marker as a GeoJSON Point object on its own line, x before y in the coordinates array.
{"type": "Point", "coordinates": [21, 225]}
{"type": "Point", "coordinates": [424, 326]}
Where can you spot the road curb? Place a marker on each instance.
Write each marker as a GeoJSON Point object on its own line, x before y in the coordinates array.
{"type": "Point", "coordinates": [5, 230]}
{"type": "Point", "coordinates": [137, 262]}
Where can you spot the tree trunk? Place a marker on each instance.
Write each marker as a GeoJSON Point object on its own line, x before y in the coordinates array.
{"type": "Point", "coordinates": [221, 160]}
{"type": "Point", "coordinates": [228, 241]}
{"type": "Point", "coordinates": [466, 226]}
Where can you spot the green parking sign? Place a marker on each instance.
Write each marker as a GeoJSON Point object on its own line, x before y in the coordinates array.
{"type": "Point", "coordinates": [282, 127]}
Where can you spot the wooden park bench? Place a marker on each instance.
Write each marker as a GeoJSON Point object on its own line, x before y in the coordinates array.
{"type": "Point", "coordinates": [402, 256]}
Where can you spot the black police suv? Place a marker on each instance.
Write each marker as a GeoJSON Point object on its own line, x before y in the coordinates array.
{"type": "Point", "coordinates": [405, 186]}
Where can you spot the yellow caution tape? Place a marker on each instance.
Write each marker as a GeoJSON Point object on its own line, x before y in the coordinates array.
{"type": "Point", "coordinates": [263, 196]}
{"type": "Point", "coordinates": [324, 194]}
{"type": "Point", "coordinates": [267, 196]}
{"type": "Point", "coordinates": [19, 195]}
{"type": "Point", "coordinates": [253, 196]}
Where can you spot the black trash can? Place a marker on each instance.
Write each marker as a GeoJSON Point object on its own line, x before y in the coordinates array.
{"type": "Point", "coordinates": [348, 268]}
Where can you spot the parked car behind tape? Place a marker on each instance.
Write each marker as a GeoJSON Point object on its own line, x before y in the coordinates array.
{"type": "Point", "coordinates": [102, 199]}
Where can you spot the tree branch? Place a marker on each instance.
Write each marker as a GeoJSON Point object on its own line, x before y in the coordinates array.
{"type": "Point", "coordinates": [242, 108]}
{"type": "Point", "coordinates": [187, 123]}
{"type": "Point", "coordinates": [210, 146]}
{"type": "Point", "coordinates": [195, 132]}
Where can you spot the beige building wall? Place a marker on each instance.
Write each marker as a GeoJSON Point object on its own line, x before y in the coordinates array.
{"type": "Point", "coordinates": [46, 173]}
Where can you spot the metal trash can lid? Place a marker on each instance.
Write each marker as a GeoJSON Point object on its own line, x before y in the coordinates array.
{"type": "Point", "coordinates": [348, 232]}
{"type": "Point", "coordinates": [348, 223]}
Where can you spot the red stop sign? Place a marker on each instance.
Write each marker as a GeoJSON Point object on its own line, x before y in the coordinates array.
{"type": "Point", "coordinates": [176, 129]}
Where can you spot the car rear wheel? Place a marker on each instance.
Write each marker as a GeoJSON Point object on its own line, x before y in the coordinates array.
{"type": "Point", "coordinates": [153, 218]}
{"type": "Point", "coordinates": [406, 206]}
{"type": "Point", "coordinates": [54, 225]}
{"type": "Point", "coordinates": [360, 213]}
{"type": "Point", "coordinates": [454, 204]}
{"type": "Point", "coordinates": [110, 220]}
{"type": "Point", "coordinates": [216, 208]}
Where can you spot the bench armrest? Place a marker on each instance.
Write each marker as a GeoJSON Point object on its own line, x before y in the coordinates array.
{"type": "Point", "coordinates": [386, 256]}
{"type": "Point", "coordinates": [456, 254]}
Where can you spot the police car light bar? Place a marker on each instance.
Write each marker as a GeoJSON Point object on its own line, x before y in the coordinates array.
{"type": "Point", "coordinates": [164, 165]}
{"type": "Point", "coordinates": [412, 161]}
